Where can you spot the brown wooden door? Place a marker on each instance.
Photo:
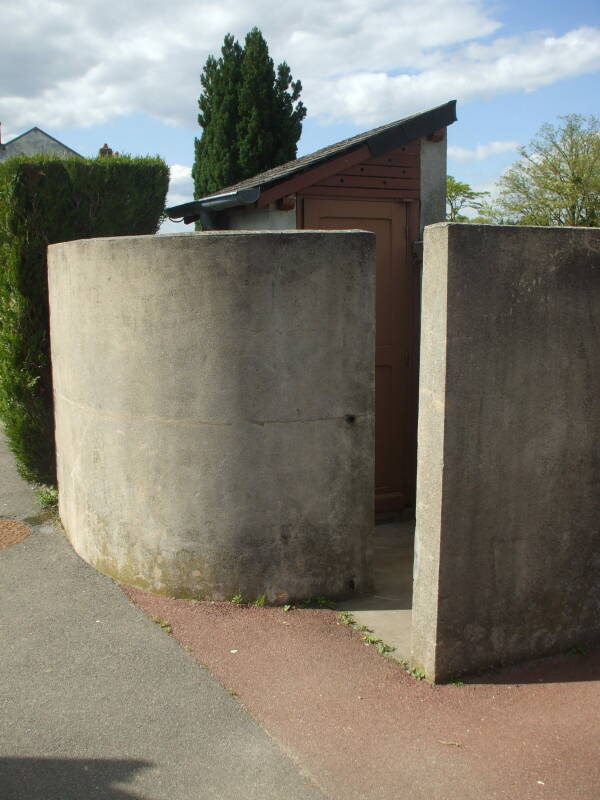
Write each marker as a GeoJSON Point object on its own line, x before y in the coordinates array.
{"type": "Point", "coordinates": [395, 357]}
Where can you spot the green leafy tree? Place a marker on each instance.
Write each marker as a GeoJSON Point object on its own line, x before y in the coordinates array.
{"type": "Point", "coordinates": [557, 178]}
{"type": "Point", "coordinates": [460, 195]}
{"type": "Point", "coordinates": [250, 114]}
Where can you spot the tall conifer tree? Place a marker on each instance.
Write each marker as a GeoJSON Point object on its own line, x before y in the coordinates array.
{"type": "Point", "coordinates": [216, 152]}
{"type": "Point", "coordinates": [251, 115]}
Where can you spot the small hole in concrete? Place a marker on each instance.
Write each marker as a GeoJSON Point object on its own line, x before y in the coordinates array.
{"type": "Point", "coordinates": [350, 418]}
{"type": "Point", "coordinates": [351, 584]}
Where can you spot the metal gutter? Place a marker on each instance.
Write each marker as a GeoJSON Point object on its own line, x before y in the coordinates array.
{"type": "Point", "coordinates": [202, 209]}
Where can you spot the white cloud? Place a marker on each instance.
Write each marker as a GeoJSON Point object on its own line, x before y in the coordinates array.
{"type": "Point", "coordinates": [177, 198]}
{"type": "Point", "coordinates": [168, 227]}
{"type": "Point", "coordinates": [181, 186]}
{"type": "Point", "coordinates": [180, 174]}
{"type": "Point", "coordinates": [6, 134]}
{"type": "Point", "coordinates": [480, 153]}
{"type": "Point", "coordinates": [80, 62]}
{"type": "Point", "coordinates": [472, 72]}
{"type": "Point", "coordinates": [181, 190]}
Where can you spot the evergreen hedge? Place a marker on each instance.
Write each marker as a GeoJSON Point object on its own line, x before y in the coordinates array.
{"type": "Point", "coordinates": [44, 200]}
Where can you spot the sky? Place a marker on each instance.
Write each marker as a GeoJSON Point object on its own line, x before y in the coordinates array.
{"type": "Point", "coordinates": [90, 72]}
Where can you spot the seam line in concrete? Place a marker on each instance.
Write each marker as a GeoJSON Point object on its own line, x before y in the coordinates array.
{"type": "Point", "coordinates": [193, 422]}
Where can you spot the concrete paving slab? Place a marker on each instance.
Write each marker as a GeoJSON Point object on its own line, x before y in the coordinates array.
{"type": "Point", "coordinates": [387, 611]}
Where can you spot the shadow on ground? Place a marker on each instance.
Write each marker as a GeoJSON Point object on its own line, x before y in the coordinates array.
{"type": "Point", "coordinates": [67, 779]}
{"type": "Point", "coordinates": [577, 665]}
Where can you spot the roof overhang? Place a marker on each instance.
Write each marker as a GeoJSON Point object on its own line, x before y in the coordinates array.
{"type": "Point", "coordinates": [292, 177]}
{"type": "Point", "coordinates": [201, 209]}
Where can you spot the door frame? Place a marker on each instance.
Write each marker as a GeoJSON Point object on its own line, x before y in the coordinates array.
{"type": "Point", "coordinates": [393, 503]}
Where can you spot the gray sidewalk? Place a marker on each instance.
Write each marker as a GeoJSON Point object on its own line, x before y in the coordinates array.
{"type": "Point", "coordinates": [96, 701]}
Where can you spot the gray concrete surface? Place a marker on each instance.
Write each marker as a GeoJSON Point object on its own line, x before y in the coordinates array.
{"type": "Point", "coordinates": [507, 550]}
{"type": "Point", "coordinates": [17, 500]}
{"type": "Point", "coordinates": [96, 701]}
{"type": "Point", "coordinates": [214, 410]}
{"type": "Point", "coordinates": [433, 181]}
{"type": "Point", "coordinates": [387, 611]}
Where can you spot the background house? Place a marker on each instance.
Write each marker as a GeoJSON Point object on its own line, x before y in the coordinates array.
{"type": "Point", "coordinates": [34, 142]}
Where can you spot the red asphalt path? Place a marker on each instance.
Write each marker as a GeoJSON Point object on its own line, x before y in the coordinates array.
{"type": "Point", "coordinates": [365, 730]}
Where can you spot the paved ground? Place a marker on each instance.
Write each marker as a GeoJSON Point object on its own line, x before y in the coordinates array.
{"type": "Point", "coordinates": [388, 611]}
{"type": "Point", "coordinates": [17, 500]}
{"type": "Point", "coordinates": [97, 701]}
{"type": "Point", "coordinates": [365, 730]}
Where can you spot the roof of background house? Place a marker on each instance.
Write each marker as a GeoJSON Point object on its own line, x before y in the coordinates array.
{"type": "Point", "coordinates": [379, 140]}
{"type": "Point", "coordinates": [47, 135]}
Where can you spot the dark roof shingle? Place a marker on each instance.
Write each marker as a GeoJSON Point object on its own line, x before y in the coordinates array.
{"type": "Point", "coordinates": [380, 140]}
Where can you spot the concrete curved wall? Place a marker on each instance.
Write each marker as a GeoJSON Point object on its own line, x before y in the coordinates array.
{"type": "Point", "coordinates": [205, 386]}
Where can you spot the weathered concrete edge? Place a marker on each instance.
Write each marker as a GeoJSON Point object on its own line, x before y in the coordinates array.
{"type": "Point", "coordinates": [430, 448]}
{"type": "Point", "coordinates": [439, 664]}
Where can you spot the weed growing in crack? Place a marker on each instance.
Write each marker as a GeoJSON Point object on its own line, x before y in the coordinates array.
{"type": "Point", "coordinates": [260, 601]}
{"type": "Point", "coordinates": [369, 638]}
{"type": "Point", "coordinates": [47, 497]}
{"type": "Point", "coordinates": [414, 672]}
{"type": "Point", "coordinates": [382, 648]}
{"type": "Point", "coordinates": [320, 602]}
{"type": "Point", "coordinates": [164, 624]}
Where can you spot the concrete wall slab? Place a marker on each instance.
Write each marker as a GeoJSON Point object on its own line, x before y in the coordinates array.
{"type": "Point", "coordinates": [433, 181]}
{"type": "Point", "coordinates": [214, 410]}
{"type": "Point", "coordinates": [508, 496]}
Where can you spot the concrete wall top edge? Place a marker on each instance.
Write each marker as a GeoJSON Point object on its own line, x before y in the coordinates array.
{"type": "Point", "coordinates": [204, 235]}
{"type": "Point", "coordinates": [473, 226]}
